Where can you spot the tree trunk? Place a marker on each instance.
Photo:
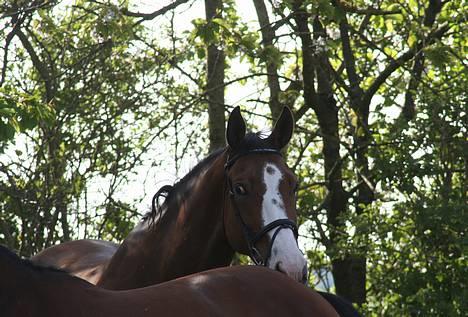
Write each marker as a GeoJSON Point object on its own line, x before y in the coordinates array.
{"type": "Point", "coordinates": [350, 271]}
{"type": "Point", "coordinates": [323, 103]}
{"type": "Point", "coordinates": [268, 34]}
{"type": "Point", "coordinates": [215, 82]}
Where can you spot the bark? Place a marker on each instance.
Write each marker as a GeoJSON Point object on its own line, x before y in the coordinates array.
{"type": "Point", "coordinates": [41, 68]}
{"type": "Point", "coordinates": [409, 108]}
{"type": "Point", "coordinates": [268, 34]}
{"type": "Point", "coordinates": [316, 67]}
{"type": "Point", "coordinates": [350, 271]}
{"type": "Point", "coordinates": [215, 82]}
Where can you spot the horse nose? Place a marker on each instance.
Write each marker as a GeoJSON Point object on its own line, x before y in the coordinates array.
{"type": "Point", "coordinates": [279, 267]}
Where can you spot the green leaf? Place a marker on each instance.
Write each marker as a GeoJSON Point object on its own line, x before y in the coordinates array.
{"type": "Point", "coordinates": [412, 39]}
{"type": "Point", "coordinates": [439, 55]}
{"type": "Point", "coordinates": [326, 9]}
{"type": "Point", "coordinates": [389, 25]}
{"type": "Point", "coordinates": [28, 122]}
{"type": "Point", "coordinates": [390, 52]}
{"type": "Point", "coordinates": [339, 14]}
{"type": "Point", "coordinates": [7, 132]}
{"type": "Point", "coordinates": [414, 5]}
{"type": "Point", "coordinates": [7, 112]}
{"type": "Point", "coordinates": [14, 124]}
{"type": "Point", "coordinates": [221, 22]}
{"type": "Point", "coordinates": [201, 52]}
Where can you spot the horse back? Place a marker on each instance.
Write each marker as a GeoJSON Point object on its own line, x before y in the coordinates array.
{"type": "Point", "coordinates": [85, 258]}
{"type": "Point", "coordinates": [246, 291]}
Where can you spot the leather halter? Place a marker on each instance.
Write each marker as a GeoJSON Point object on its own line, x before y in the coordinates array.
{"type": "Point", "coordinates": [253, 237]}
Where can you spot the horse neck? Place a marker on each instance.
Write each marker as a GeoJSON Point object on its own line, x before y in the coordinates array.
{"type": "Point", "coordinates": [16, 289]}
{"type": "Point", "coordinates": [30, 291]}
{"type": "Point", "coordinates": [188, 238]}
{"type": "Point", "coordinates": [15, 274]}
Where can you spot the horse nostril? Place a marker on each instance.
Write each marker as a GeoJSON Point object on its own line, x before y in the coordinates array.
{"type": "Point", "coordinates": [279, 267]}
{"type": "Point", "coordinates": [305, 275]}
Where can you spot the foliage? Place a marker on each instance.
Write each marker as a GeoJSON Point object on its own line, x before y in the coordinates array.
{"type": "Point", "coordinates": [91, 92]}
{"type": "Point", "coordinates": [20, 112]}
{"type": "Point", "coordinates": [100, 89]}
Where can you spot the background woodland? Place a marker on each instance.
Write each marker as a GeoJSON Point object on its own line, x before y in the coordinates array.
{"type": "Point", "coordinates": [98, 95]}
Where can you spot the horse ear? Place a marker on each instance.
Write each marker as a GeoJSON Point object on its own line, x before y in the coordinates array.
{"type": "Point", "coordinates": [283, 130]}
{"type": "Point", "coordinates": [235, 131]}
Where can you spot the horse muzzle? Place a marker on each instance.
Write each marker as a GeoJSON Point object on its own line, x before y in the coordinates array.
{"type": "Point", "coordinates": [287, 258]}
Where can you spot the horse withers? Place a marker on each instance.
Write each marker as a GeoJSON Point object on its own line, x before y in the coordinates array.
{"type": "Point", "coordinates": [240, 198]}
{"type": "Point", "coordinates": [28, 290]}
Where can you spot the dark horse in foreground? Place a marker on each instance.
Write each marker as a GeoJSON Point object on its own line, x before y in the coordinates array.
{"type": "Point", "coordinates": [28, 290]}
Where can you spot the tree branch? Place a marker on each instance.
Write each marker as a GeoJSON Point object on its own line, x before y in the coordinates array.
{"type": "Point", "coordinates": [8, 39]}
{"type": "Point", "coordinates": [40, 67]}
{"type": "Point", "coordinates": [396, 63]}
{"type": "Point", "coordinates": [150, 16]}
{"type": "Point", "coordinates": [368, 11]}
{"type": "Point", "coordinates": [350, 65]}
{"type": "Point", "coordinates": [431, 12]}
{"type": "Point", "coordinates": [31, 8]}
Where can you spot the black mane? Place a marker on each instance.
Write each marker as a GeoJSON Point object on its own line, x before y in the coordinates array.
{"type": "Point", "coordinates": [251, 141]}
{"type": "Point", "coordinates": [169, 192]}
{"type": "Point", "coordinates": [12, 256]}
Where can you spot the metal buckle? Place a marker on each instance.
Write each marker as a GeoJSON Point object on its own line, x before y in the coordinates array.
{"type": "Point", "coordinates": [256, 256]}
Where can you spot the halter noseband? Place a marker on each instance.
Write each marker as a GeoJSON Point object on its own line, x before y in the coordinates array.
{"type": "Point", "coordinates": [253, 237]}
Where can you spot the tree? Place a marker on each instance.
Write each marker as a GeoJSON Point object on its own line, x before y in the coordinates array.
{"type": "Point", "coordinates": [215, 76]}
{"type": "Point", "coordinates": [352, 83]}
{"type": "Point", "coordinates": [84, 69]}
{"type": "Point", "coordinates": [378, 90]}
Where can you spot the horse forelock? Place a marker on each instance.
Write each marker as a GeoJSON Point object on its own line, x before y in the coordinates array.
{"type": "Point", "coordinates": [253, 141]}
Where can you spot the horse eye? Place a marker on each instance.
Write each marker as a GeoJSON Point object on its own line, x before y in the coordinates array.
{"type": "Point", "coordinates": [239, 189]}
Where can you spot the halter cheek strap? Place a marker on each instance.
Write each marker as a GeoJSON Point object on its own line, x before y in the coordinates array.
{"type": "Point", "coordinates": [251, 237]}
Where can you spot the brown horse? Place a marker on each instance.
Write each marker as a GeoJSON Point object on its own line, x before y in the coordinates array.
{"type": "Point", "coordinates": [240, 198]}
{"type": "Point", "coordinates": [28, 290]}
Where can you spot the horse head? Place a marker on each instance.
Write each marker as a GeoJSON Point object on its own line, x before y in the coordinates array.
{"type": "Point", "coordinates": [260, 213]}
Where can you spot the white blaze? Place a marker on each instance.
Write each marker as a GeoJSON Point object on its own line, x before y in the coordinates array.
{"type": "Point", "coordinates": [285, 251]}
